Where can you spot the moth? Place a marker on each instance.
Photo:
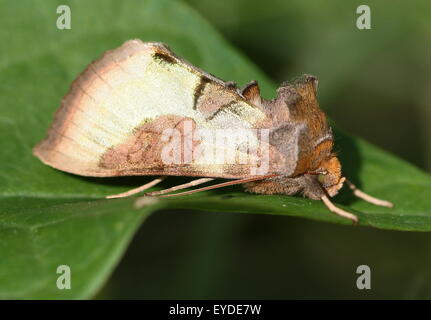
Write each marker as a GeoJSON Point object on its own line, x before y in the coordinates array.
{"type": "Point", "coordinates": [142, 110]}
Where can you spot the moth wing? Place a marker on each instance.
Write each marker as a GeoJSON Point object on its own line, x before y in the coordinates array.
{"type": "Point", "coordinates": [112, 120]}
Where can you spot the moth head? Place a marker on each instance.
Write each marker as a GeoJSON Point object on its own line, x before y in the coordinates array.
{"type": "Point", "coordinates": [329, 175]}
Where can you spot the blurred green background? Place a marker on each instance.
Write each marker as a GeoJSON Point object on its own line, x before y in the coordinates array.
{"type": "Point", "coordinates": [374, 84]}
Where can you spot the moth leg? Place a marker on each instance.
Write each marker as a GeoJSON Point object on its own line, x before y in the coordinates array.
{"type": "Point", "coordinates": [339, 211]}
{"type": "Point", "coordinates": [136, 190]}
{"type": "Point", "coordinates": [203, 180]}
{"type": "Point", "coordinates": [220, 185]}
{"type": "Point", "coordinates": [180, 186]}
{"type": "Point", "coordinates": [367, 197]}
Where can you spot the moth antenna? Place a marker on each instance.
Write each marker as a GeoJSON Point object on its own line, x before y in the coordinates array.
{"type": "Point", "coordinates": [220, 185]}
{"type": "Point", "coordinates": [180, 186]}
{"type": "Point", "coordinates": [366, 197]}
{"type": "Point", "coordinates": [339, 211]}
{"type": "Point", "coordinates": [136, 190]}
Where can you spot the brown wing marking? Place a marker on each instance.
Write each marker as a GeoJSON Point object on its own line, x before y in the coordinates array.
{"type": "Point", "coordinates": [199, 90]}
{"type": "Point", "coordinates": [141, 154]}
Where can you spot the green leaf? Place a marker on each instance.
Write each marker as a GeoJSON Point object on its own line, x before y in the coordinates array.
{"type": "Point", "coordinates": [49, 218]}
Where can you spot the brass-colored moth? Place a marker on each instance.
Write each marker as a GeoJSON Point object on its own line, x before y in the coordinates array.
{"type": "Point", "coordinates": [142, 110]}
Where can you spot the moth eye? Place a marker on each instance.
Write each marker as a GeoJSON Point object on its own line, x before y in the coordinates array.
{"type": "Point", "coordinates": [321, 177]}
